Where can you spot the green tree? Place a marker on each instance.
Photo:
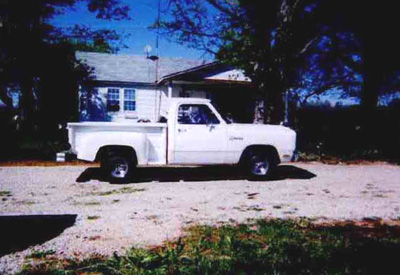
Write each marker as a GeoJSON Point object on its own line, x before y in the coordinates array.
{"type": "Point", "coordinates": [32, 49]}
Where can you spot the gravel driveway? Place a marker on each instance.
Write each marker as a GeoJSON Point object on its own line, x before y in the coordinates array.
{"type": "Point", "coordinates": [160, 201]}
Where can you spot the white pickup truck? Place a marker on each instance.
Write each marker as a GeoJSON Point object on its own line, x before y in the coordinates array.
{"type": "Point", "coordinates": [193, 133]}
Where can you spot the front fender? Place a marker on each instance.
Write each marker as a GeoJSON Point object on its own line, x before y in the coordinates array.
{"type": "Point", "coordinates": [89, 144]}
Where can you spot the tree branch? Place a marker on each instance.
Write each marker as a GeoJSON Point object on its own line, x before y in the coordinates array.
{"type": "Point", "coordinates": [222, 9]}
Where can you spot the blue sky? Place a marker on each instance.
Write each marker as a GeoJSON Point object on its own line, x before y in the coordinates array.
{"type": "Point", "coordinates": [143, 14]}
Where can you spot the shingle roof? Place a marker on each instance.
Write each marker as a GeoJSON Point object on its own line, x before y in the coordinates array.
{"type": "Point", "coordinates": [133, 68]}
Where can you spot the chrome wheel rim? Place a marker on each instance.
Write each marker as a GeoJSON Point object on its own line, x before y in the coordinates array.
{"type": "Point", "coordinates": [119, 168]}
{"type": "Point", "coordinates": [259, 167]}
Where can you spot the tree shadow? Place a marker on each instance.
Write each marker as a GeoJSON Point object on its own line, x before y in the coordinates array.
{"type": "Point", "coordinates": [372, 247]}
{"type": "Point", "coordinates": [20, 232]}
{"type": "Point", "coordinates": [207, 173]}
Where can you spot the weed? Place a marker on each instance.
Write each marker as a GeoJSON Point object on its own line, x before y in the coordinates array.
{"type": "Point", "coordinates": [27, 202]}
{"type": "Point", "coordinates": [94, 238]}
{"type": "Point", "coordinates": [5, 194]}
{"type": "Point", "coordinates": [91, 218]}
{"type": "Point", "coordinates": [379, 196]}
{"type": "Point", "coordinates": [123, 190]}
{"type": "Point", "coordinates": [91, 203]}
{"type": "Point", "coordinates": [255, 208]}
{"type": "Point", "coordinates": [42, 254]}
{"type": "Point", "coordinates": [129, 190]}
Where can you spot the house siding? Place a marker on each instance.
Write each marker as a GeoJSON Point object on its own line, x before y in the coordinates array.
{"type": "Point", "coordinates": [146, 104]}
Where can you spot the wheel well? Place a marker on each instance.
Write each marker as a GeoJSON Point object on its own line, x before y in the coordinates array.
{"type": "Point", "coordinates": [126, 151]}
{"type": "Point", "coordinates": [268, 149]}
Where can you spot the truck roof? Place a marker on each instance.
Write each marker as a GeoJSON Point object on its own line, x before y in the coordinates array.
{"type": "Point", "coordinates": [189, 100]}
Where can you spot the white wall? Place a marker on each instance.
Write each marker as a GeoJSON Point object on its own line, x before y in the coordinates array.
{"type": "Point", "coordinates": [146, 103]}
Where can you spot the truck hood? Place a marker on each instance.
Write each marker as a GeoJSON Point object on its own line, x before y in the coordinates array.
{"type": "Point", "coordinates": [260, 128]}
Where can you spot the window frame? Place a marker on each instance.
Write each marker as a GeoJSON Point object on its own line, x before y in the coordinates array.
{"type": "Point", "coordinates": [122, 99]}
{"type": "Point", "coordinates": [109, 89]}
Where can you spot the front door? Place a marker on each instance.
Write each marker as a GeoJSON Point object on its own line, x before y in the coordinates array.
{"type": "Point", "coordinates": [200, 137]}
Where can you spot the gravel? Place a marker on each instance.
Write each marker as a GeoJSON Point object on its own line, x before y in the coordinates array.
{"type": "Point", "coordinates": [113, 217]}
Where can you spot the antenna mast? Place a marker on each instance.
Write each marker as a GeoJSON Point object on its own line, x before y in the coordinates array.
{"type": "Point", "coordinates": [158, 36]}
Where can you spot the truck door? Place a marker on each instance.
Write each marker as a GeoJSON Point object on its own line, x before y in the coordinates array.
{"type": "Point", "coordinates": [200, 136]}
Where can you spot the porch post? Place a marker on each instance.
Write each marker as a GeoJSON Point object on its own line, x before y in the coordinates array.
{"type": "Point", "coordinates": [170, 89]}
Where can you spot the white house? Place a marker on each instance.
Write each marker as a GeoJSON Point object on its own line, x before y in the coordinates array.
{"type": "Point", "coordinates": [125, 87]}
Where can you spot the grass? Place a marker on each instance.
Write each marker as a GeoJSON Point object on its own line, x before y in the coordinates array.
{"type": "Point", "coordinates": [262, 247]}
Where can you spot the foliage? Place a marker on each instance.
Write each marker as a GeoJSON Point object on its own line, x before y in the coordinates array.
{"type": "Point", "coordinates": [282, 44]}
{"type": "Point", "coordinates": [334, 134]}
{"type": "Point", "coordinates": [265, 247]}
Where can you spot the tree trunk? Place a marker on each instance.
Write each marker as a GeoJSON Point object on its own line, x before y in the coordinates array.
{"type": "Point", "coordinates": [27, 104]}
{"type": "Point", "coordinates": [372, 82]}
{"type": "Point", "coordinates": [274, 108]}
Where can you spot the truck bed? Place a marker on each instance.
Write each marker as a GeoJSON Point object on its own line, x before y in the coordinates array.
{"type": "Point", "coordinates": [155, 132]}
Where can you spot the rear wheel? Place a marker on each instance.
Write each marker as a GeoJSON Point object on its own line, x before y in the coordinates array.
{"type": "Point", "coordinates": [117, 165]}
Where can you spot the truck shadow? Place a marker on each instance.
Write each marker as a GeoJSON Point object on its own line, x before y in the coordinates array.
{"type": "Point", "coordinates": [209, 173]}
{"type": "Point", "coordinates": [20, 232]}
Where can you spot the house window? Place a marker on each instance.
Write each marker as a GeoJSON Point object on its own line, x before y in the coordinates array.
{"type": "Point", "coordinates": [129, 100]}
{"type": "Point", "coordinates": [113, 100]}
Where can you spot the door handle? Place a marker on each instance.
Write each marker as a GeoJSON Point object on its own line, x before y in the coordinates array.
{"type": "Point", "coordinates": [182, 130]}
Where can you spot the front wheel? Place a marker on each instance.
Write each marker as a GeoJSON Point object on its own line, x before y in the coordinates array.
{"type": "Point", "coordinates": [259, 165]}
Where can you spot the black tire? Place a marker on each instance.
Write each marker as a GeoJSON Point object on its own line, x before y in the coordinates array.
{"type": "Point", "coordinates": [117, 166]}
{"type": "Point", "coordinates": [259, 165]}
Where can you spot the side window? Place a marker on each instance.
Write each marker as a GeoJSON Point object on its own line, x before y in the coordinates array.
{"type": "Point", "coordinates": [113, 100]}
{"type": "Point", "coordinates": [196, 114]}
{"type": "Point", "coordinates": [129, 100]}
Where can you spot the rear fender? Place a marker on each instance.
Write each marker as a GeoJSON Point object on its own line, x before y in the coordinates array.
{"type": "Point", "coordinates": [89, 145]}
